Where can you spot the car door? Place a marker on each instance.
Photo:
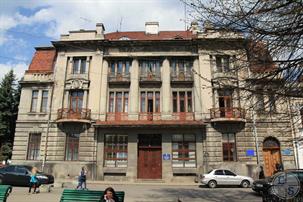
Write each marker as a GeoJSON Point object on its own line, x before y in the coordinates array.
{"type": "Point", "coordinates": [219, 177]}
{"type": "Point", "coordinates": [231, 178]}
{"type": "Point", "coordinates": [9, 175]}
{"type": "Point", "coordinates": [22, 176]}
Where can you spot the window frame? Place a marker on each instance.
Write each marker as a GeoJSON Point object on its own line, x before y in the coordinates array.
{"type": "Point", "coordinates": [125, 68]}
{"type": "Point", "coordinates": [44, 101]}
{"type": "Point", "coordinates": [113, 100]}
{"type": "Point", "coordinates": [81, 67]}
{"type": "Point", "coordinates": [178, 66]}
{"type": "Point", "coordinates": [72, 141]}
{"type": "Point", "coordinates": [223, 60]}
{"type": "Point", "coordinates": [156, 97]}
{"type": "Point", "coordinates": [231, 143]}
{"type": "Point", "coordinates": [184, 151]}
{"type": "Point", "coordinates": [188, 101]}
{"type": "Point", "coordinates": [113, 147]}
{"type": "Point", "coordinates": [34, 101]}
{"type": "Point", "coordinates": [33, 146]}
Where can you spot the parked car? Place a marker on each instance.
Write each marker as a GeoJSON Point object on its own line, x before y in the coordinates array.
{"type": "Point", "coordinates": [225, 177]}
{"type": "Point", "coordinates": [19, 175]}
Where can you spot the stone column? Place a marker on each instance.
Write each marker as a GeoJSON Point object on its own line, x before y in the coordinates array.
{"type": "Point", "coordinates": [100, 155]}
{"type": "Point", "coordinates": [199, 150]}
{"type": "Point", "coordinates": [197, 90]}
{"type": "Point", "coordinates": [206, 92]}
{"type": "Point", "coordinates": [132, 157]}
{"type": "Point", "coordinates": [166, 91]}
{"type": "Point", "coordinates": [167, 171]}
{"type": "Point", "coordinates": [134, 91]}
{"type": "Point", "coordinates": [103, 88]}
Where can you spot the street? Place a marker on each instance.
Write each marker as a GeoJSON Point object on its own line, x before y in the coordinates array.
{"type": "Point", "coordinates": [149, 193]}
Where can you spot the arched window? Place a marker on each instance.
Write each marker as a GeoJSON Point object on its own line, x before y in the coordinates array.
{"type": "Point", "coordinates": [271, 142]}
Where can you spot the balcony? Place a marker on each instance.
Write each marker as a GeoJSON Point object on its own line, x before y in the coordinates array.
{"type": "Point", "coordinates": [119, 78]}
{"type": "Point", "coordinates": [116, 116]}
{"type": "Point", "coordinates": [69, 115]}
{"type": "Point", "coordinates": [182, 77]}
{"type": "Point", "coordinates": [150, 116]}
{"type": "Point", "coordinates": [183, 116]}
{"type": "Point", "coordinates": [153, 78]}
{"type": "Point", "coordinates": [224, 114]}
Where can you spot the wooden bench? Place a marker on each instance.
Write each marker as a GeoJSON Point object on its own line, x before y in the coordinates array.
{"type": "Point", "coordinates": [4, 192]}
{"type": "Point", "coordinates": [86, 195]}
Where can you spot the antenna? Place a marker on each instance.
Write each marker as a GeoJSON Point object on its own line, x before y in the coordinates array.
{"type": "Point", "coordinates": [120, 28]}
{"type": "Point", "coordinates": [185, 16]}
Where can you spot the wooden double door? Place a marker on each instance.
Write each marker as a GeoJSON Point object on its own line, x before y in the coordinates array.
{"type": "Point", "coordinates": [271, 157]}
{"type": "Point", "coordinates": [149, 156]}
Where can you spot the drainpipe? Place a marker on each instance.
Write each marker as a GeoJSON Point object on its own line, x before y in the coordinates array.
{"type": "Point", "coordinates": [293, 133]}
{"type": "Point", "coordinates": [48, 120]}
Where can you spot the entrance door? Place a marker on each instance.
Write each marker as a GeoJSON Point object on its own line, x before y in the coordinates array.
{"type": "Point", "coordinates": [149, 157]}
{"type": "Point", "coordinates": [271, 155]}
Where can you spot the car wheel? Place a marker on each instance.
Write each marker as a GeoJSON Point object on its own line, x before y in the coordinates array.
{"type": "Point", "coordinates": [212, 184]}
{"type": "Point", "coordinates": [245, 184]}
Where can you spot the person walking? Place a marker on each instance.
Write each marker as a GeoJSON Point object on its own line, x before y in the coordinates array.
{"type": "Point", "coordinates": [33, 183]}
{"type": "Point", "coordinates": [82, 179]}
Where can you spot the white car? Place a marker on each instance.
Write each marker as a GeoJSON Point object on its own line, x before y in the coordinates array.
{"type": "Point", "coordinates": [225, 177]}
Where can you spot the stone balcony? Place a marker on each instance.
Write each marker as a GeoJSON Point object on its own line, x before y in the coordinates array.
{"type": "Point", "coordinates": [227, 114]}
{"type": "Point", "coordinates": [150, 78]}
{"type": "Point", "coordinates": [119, 78]}
{"type": "Point", "coordinates": [182, 77]}
{"type": "Point", "coordinates": [69, 115]}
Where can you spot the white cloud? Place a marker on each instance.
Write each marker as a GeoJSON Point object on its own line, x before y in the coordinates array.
{"type": "Point", "coordinates": [19, 69]}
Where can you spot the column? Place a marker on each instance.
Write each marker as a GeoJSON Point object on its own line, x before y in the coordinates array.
{"type": "Point", "coordinates": [100, 155]}
{"type": "Point", "coordinates": [167, 170]}
{"type": "Point", "coordinates": [166, 91]}
{"type": "Point", "coordinates": [134, 91]}
{"type": "Point", "coordinates": [197, 90]}
{"type": "Point", "coordinates": [206, 90]}
{"type": "Point", "coordinates": [132, 157]}
{"type": "Point", "coordinates": [103, 88]}
{"type": "Point", "coordinates": [199, 151]}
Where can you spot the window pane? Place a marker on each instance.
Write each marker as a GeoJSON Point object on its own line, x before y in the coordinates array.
{"type": "Point", "coordinates": [143, 108]}
{"type": "Point", "coordinates": [33, 152]}
{"type": "Point", "coordinates": [127, 65]}
{"type": "Point", "coordinates": [72, 147]}
{"type": "Point", "coordinates": [177, 138]}
{"type": "Point", "coordinates": [175, 102]}
{"type": "Point", "coordinates": [111, 102]}
{"type": "Point", "coordinates": [34, 101]}
{"type": "Point", "coordinates": [44, 101]}
{"type": "Point", "coordinates": [120, 67]}
{"type": "Point", "coordinates": [76, 64]}
{"type": "Point", "coordinates": [189, 102]}
{"type": "Point", "coordinates": [125, 102]}
{"type": "Point", "coordinates": [119, 102]}
{"type": "Point", "coordinates": [112, 67]}
{"type": "Point", "coordinates": [219, 172]}
{"type": "Point", "coordinates": [226, 63]}
{"type": "Point", "coordinates": [83, 66]}
{"type": "Point", "coordinates": [157, 102]}
{"type": "Point", "coordinates": [219, 63]}
{"type": "Point", "coordinates": [115, 149]}
{"type": "Point", "coordinates": [182, 101]}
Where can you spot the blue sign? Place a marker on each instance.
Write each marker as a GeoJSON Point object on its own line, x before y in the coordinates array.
{"type": "Point", "coordinates": [286, 152]}
{"type": "Point", "coordinates": [166, 156]}
{"type": "Point", "coordinates": [250, 152]}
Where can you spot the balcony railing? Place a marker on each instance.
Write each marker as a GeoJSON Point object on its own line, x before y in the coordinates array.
{"type": "Point", "coordinates": [183, 116]}
{"type": "Point", "coordinates": [150, 76]}
{"type": "Point", "coordinates": [219, 75]}
{"type": "Point", "coordinates": [149, 116]}
{"type": "Point", "coordinates": [117, 116]}
{"type": "Point", "coordinates": [79, 114]}
{"type": "Point", "coordinates": [119, 77]}
{"type": "Point", "coordinates": [227, 113]}
{"type": "Point", "coordinates": [186, 76]}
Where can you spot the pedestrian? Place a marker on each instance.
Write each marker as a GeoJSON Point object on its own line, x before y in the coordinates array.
{"type": "Point", "coordinates": [33, 183]}
{"type": "Point", "coordinates": [82, 179]}
{"type": "Point", "coordinates": [261, 173]}
{"type": "Point", "coordinates": [110, 195]}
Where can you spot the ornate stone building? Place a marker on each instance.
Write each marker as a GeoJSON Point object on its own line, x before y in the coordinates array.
{"type": "Point", "coordinates": [144, 105]}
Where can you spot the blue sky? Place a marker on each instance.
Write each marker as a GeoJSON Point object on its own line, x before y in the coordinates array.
{"type": "Point", "coordinates": [25, 24]}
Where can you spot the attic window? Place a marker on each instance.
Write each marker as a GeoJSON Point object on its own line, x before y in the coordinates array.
{"type": "Point", "coordinates": [124, 38]}
{"type": "Point", "coordinates": [178, 37]}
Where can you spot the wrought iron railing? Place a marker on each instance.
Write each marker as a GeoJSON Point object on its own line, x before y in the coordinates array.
{"type": "Point", "coordinates": [227, 112]}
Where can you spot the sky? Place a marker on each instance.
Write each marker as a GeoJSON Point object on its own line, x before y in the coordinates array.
{"type": "Point", "coordinates": [26, 24]}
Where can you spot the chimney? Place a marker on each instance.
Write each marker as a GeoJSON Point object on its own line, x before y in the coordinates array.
{"type": "Point", "coordinates": [100, 29]}
{"type": "Point", "coordinates": [151, 27]}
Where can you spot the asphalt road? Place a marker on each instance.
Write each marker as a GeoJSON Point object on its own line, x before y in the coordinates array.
{"type": "Point", "coordinates": [151, 193]}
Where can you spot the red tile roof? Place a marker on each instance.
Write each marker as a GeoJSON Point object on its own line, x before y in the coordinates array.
{"type": "Point", "coordinates": [164, 35]}
{"type": "Point", "coordinates": [43, 61]}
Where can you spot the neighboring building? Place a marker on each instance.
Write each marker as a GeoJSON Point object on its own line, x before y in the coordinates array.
{"type": "Point", "coordinates": [144, 105]}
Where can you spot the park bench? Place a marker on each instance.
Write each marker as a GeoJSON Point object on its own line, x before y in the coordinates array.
{"type": "Point", "coordinates": [4, 192]}
{"type": "Point", "coordinates": [69, 195]}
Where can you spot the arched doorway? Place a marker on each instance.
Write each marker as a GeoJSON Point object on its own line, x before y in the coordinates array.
{"type": "Point", "coordinates": [271, 155]}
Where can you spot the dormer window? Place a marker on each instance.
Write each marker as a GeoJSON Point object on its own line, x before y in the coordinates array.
{"type": "Point", "coordinates": [79, 65]}
{"type": "Point", "coordinates": [124, 38]}
{"type": "Point", "coordinates": [223, 63]}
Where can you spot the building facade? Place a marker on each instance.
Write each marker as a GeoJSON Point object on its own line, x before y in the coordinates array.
{"type": "Point", "coordinates": [145, 105]}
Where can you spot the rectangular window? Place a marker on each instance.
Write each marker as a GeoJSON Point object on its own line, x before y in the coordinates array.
{"type": "Point", "coordinates": [182, 101]}
{"type": "Point", "coordinates": [115, 150]}
{"type": "Point", "coordinates": [150, 66]}
{"type": "Point", "coordinates": [76, 100]}
{"type": "Point", "coordinates": [150, 101]}
{"type": "Point", "coordinates": [118, 102]}
{"type": "Point", "coordinates": [34, 100]}
{"type": "Point", "coordinates": [79, 65]}
{"type": "Point", "coordinates": [223, 63]}
{"type": "Point", "coordinates": [229, 147]}
{"type": "Point", "coordinates": [44, 101]}
{"type": "Point", "coordinates": [72, 147]}
{"type": "Point", "coordinates": [184, 150]}
{"type": "Point", "coordinates": [181, 66]}
{"type": "Point", "coordinates": [120, 67]}
{"type": "Point", "coordinates": [33, 151]}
